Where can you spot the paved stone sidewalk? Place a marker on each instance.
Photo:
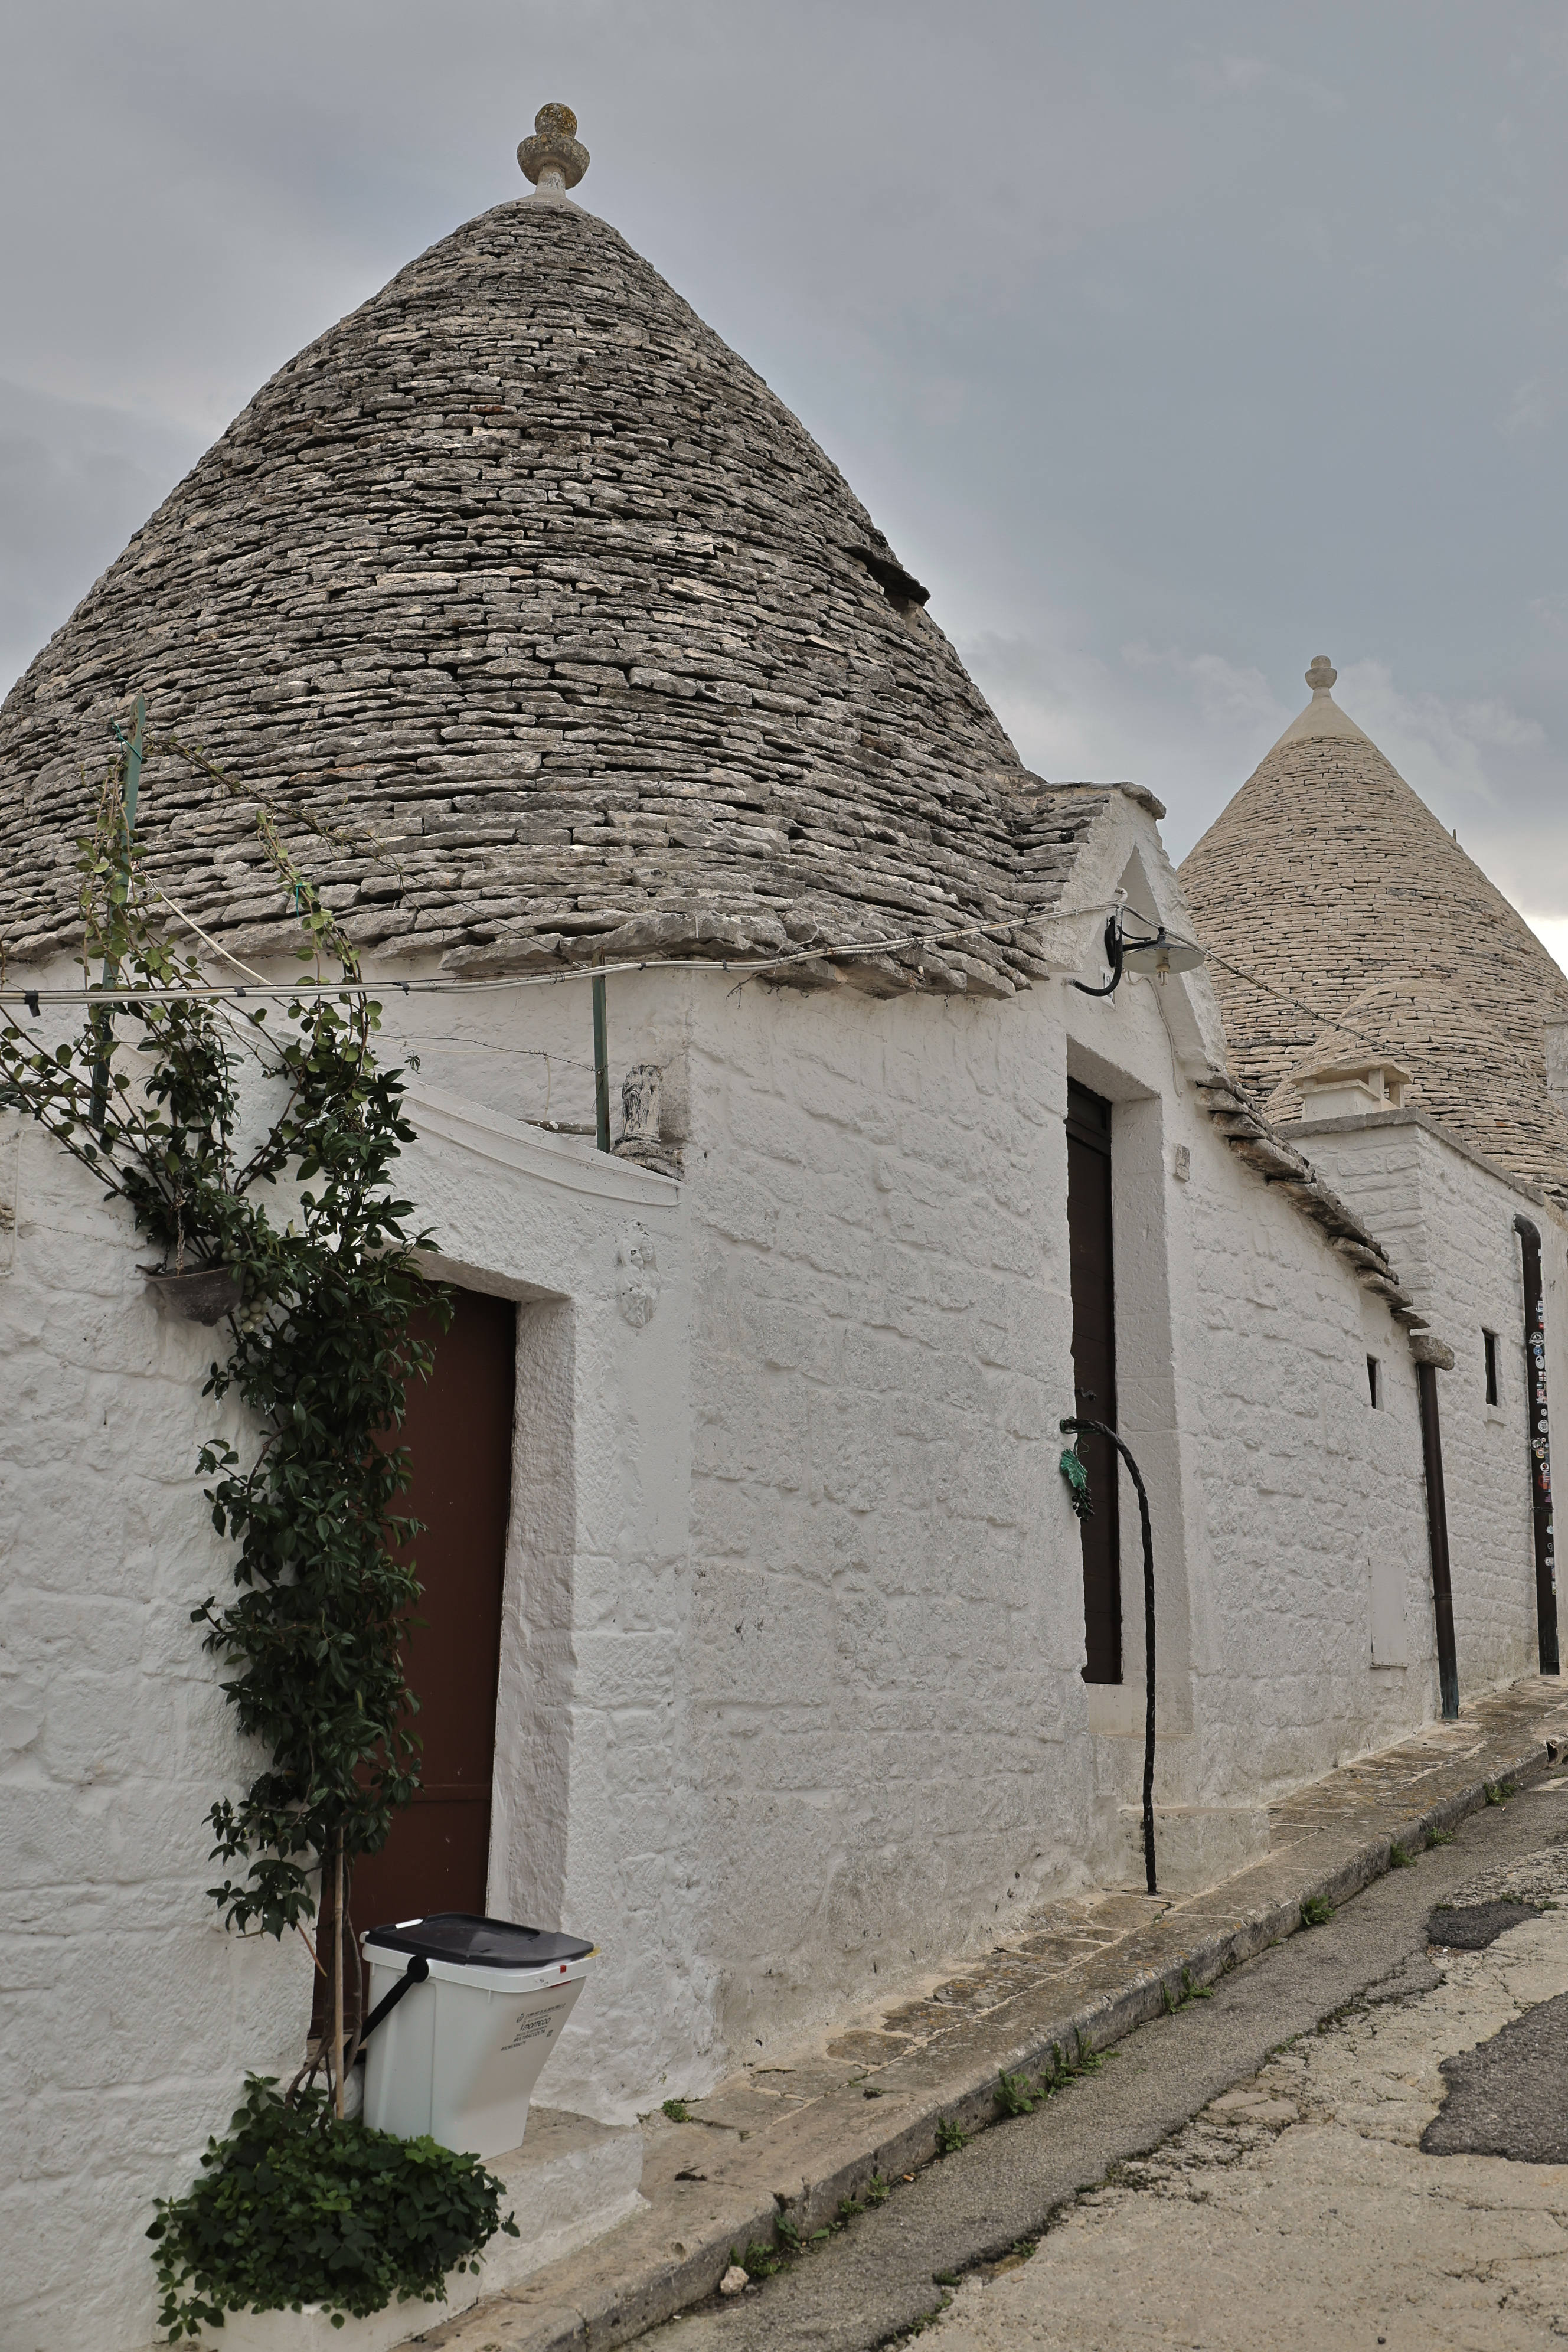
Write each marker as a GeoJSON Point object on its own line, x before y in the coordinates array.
{"type": "Point", "coordinates": [793, 2139]}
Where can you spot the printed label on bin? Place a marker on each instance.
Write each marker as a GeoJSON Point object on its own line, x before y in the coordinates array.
{"type": "Point", "coordinates": [532, 2024]}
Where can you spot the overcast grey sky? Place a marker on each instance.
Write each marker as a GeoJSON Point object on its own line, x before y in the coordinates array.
{"type": "Point", "coordinates": [1171, 345]}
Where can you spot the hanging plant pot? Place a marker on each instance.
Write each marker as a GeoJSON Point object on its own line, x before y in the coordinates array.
{"type": "Point", "coordinates": [200, 1294]}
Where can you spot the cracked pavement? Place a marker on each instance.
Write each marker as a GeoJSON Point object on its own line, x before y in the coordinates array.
{"type": "Point", "coordinates": [1251, 2171]}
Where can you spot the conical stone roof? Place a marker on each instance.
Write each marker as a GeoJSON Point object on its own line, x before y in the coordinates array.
{"type": "Point", "coordinates": [1331, 882]}
{"type": "Point", "coordinates": [531, 592]}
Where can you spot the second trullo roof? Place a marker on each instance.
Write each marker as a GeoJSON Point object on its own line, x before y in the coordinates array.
{"type": "Point", "coordinates": [1328, 879]}
{"type": "Point", "coordinates": [527, 588]}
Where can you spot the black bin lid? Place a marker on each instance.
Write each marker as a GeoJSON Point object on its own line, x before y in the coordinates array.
{"type": "Point", "coordinates": [479, 1943]}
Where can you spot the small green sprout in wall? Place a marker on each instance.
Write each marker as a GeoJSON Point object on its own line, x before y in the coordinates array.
{"type": "Point", "coordinates": [1317, 1911]}
{"type": "Point", "coordinates": [676, 2110]}
{"type": "Point", "coordinates": [1400, 1856]}
{"type": "Point", "coordinates": [1191, 1990]}
{"type": "Point", "coordinates": [1013, 2095]}
{"type": "Point", "coordinates": [950, 2137]}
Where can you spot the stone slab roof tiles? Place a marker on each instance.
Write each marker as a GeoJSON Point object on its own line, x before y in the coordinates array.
{"type": "Point", "coordinates": [1331, 883]}
{"type": "Point", "coordinates": [528, 590]}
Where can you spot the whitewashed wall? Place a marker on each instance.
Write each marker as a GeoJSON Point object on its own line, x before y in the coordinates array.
{"type": "Point", "coordinates": [882, 1723]}
{"type": "Point", "coordinates": [791, 1698]}
{"type": "Point", "coordinates": [1278, 1495]}
{"type": "Point", "coordinates": [128, 2017]}
{"type": "Point", "coordinates": [1448, 1220]}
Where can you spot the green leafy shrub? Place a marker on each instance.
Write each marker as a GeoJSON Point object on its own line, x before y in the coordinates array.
{"type": "Point", "coordinates": [1400, 1857]}
{"type": "Point", "coordinates": [294, 2208]}
{"type": "Point", "coordinates": [1317, 1911]}
{"type": "Point", "coordinates": [950, 2137]}
{"type": "Point", "coordinates": [677, 2110]}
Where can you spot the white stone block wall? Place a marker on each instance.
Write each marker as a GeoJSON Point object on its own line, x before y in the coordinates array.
{"type": "Point", "coordinates": [128, 2018]}
{"type": "Point", "coordinates": [887, 1621]}
{"type": "Point", "coordinates": [791, 1699]}
{"type": "Point", "coordinates": [1449, 1222]}
{"type": "Point", "coordinates": [1280, 1493]}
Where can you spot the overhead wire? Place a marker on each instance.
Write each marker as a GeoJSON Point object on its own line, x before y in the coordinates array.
{"type": "Point", "coordinates": [1312, 1012]}
{"type": "Point", "coordinates": [743, 969]}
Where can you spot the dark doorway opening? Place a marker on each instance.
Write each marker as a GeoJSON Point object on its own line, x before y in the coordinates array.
{"type": "Point", "coordinates": [1093, 1283]}
{"type": "Point", "coordinates": [458, 1430]}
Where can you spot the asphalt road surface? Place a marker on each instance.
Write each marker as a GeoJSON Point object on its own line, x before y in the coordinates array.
{"type": "Point", "coordinates": [1105, 2178]}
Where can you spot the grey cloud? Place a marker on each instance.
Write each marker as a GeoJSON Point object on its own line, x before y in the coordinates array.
{"type": "Point", "coordinates": [74, 482]}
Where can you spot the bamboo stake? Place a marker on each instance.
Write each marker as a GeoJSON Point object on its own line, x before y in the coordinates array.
{"type": "Point", "coordinates": [338, 1980]}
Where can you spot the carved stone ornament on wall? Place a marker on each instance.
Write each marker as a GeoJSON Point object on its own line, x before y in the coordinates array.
{"type": "Point", "coordinates": [636, 1276]}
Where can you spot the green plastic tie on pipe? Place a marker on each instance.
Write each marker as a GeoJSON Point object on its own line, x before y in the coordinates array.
{"type": "Point", "coordinates": [1077, 1476]}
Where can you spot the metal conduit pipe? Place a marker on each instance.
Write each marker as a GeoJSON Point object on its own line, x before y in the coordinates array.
{"type": "Point", "coordinates": [1540, 1447]}
{"type": "Point", "coordinates": [1102, 1429]}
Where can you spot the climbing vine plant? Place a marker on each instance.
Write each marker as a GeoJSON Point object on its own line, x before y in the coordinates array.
{"type": "Point", "coordinates": [156, 1094]}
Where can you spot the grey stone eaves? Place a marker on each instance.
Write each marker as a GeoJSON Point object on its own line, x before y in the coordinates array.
{"type": "Point", "coordinates": [538, 621]}
{"type": "Point", "coordinates": [1254, 1139]}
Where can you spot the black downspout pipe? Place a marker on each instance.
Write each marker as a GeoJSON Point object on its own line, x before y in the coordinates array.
{"type": "Point", "coordinates": [1099, 1429]}
{"type": "Point", "coordinates": [601, 1065]}
{"type": "Point", "coordinates": [1539, 1448]}
{"type": "Point", "coordinates": [1438, 1538]}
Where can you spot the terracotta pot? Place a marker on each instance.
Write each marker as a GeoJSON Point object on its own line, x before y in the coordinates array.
{"type": "Point", "coordinates": [198, 1295]}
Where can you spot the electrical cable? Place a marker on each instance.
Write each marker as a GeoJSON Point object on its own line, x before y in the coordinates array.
{"type": "Point", "coordinates": [747, 970]}
{"type": "Point", "coordinates": [1103, 1429]}
{"type": "Point", "coordinates": [1312, 1012]}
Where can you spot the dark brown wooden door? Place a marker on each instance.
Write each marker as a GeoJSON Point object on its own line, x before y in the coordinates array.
{"type": "Point", "coordinates": [459, 1432]}
{"type": "Point", "coordinates": [1094, 1371]}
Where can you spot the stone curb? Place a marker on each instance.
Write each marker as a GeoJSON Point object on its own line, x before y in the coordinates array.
{"type": "Point", "coordinates": [584, 2313]}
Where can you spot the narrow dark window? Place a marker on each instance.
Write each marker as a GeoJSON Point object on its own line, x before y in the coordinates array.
{"type": "Point", "coordinates": [1374, 1379]}
{"type": "Point", "coordinates": [1489, 1340]}
{"type": "Point", "coordinates": [1094, 1373]}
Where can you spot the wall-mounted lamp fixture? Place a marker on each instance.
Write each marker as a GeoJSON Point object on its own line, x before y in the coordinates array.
{"type": "Point", "coordinates": [1161, 954]}
{"type": "Point", "coordinates": [1133, 951]}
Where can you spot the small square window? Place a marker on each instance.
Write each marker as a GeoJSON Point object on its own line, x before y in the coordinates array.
{"type": "Point", "coordinates": [1374, 1380]}
{"type": "Point", "coordinates": [1489, 1340]}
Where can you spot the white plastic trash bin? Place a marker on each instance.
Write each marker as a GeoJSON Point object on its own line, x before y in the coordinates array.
{"type": "Point", "coordinates": [459, 2053]}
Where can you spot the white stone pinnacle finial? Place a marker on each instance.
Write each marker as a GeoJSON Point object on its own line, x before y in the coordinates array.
{"type": "Point", "coordinates": [552, 159]}
{"type": "Point", "coordinates": [1321, 674]}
